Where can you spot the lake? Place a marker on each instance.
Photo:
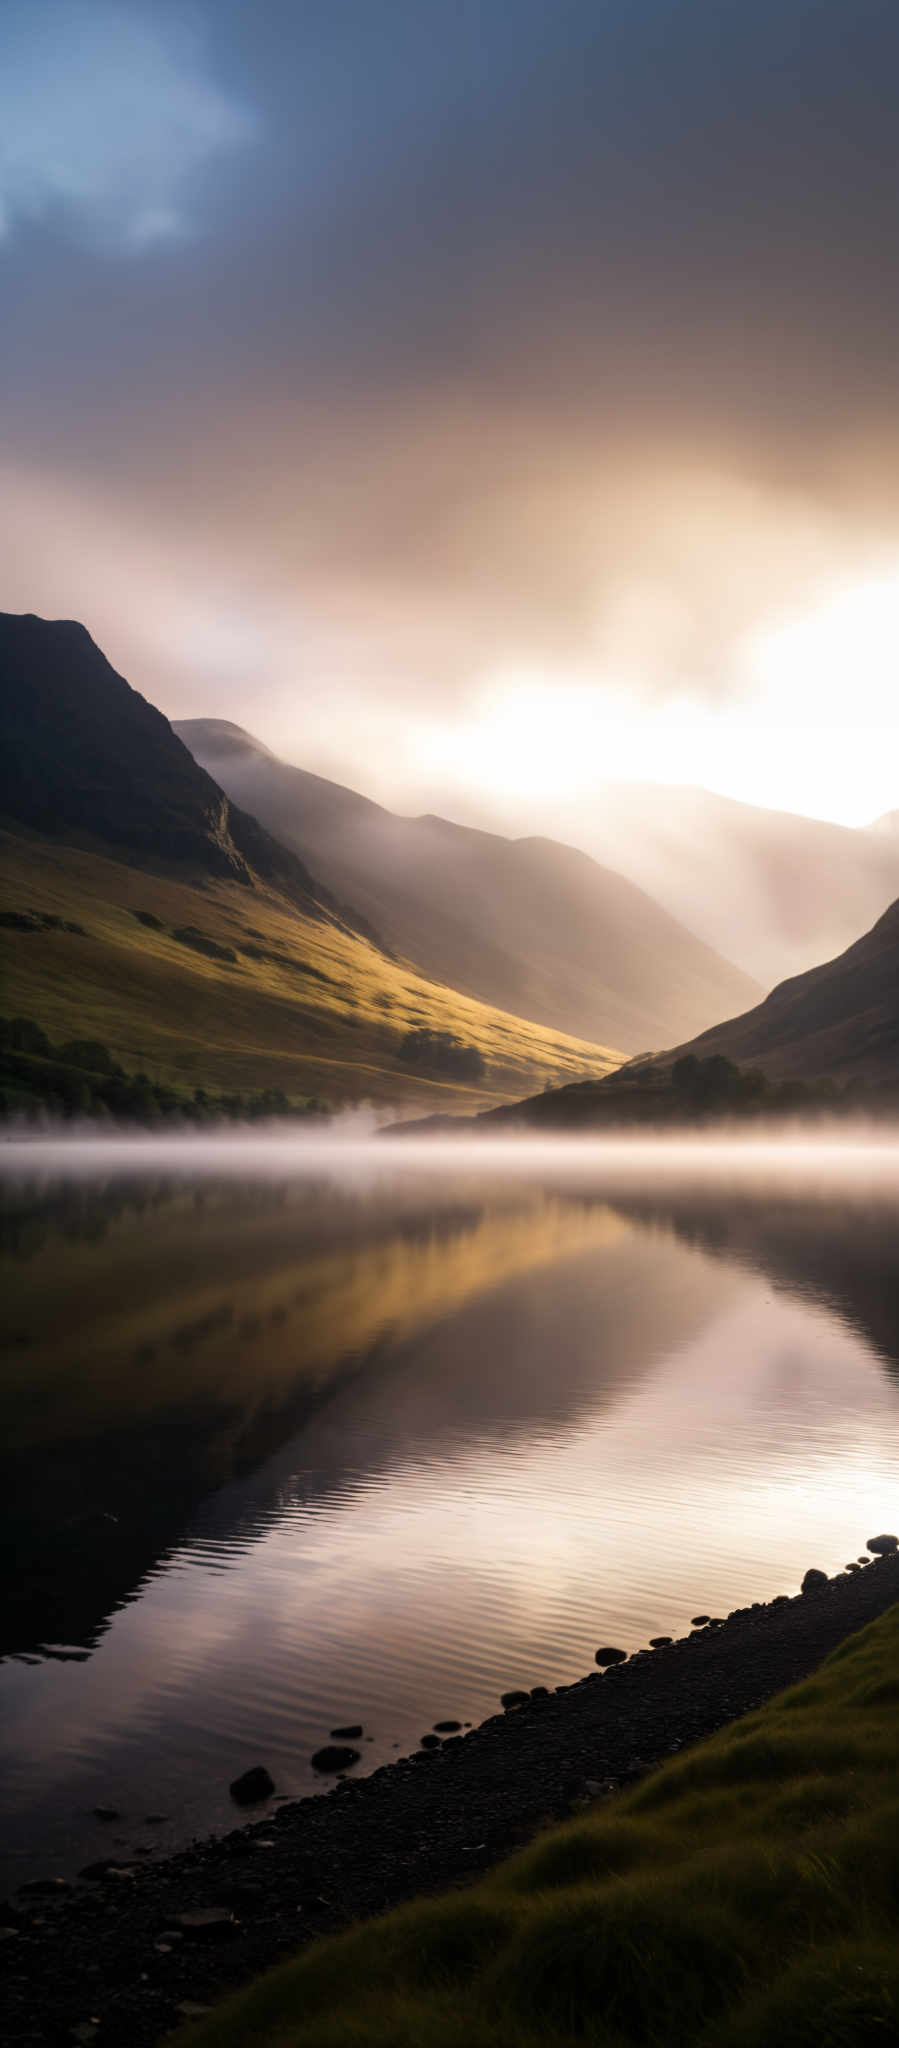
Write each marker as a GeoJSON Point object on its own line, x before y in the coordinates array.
{"type": "Point", "coordinates": [301, 1432]}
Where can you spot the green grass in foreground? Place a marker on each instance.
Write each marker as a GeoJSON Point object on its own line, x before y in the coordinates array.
{"type": "Point", "coordinates": [745, 1896]}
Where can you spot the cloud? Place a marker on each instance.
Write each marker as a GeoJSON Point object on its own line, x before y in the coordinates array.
{"type": "Point", "coordinates": [560, 348]}
{"type": "Point", "coordinates": [106, 115]}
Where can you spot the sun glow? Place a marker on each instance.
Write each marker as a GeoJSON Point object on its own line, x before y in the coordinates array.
{"type": "Point", "coordinates": [812, 711]}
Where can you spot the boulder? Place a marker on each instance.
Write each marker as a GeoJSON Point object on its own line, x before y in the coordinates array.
{"type": "Point", "coordinates": [882, 1545]}
{"type": "Point", "coordinates": [334, 1757]}
{"type": "Point", "coordinates": [447, 1727]}
{"type": "Point", "coordinates": [660, 1642]}
{"type": "Point", "coordinates": [813, 1580]}
{"type": "Point", "coordinates": [252, 1785]}
{"type": "Point", "coordinates": [514, 1699]}
{"type": "Point", "coordinates": [607, 1656]}
{"type": "Point", "coordinates": [350, 1734]}
{"type": "Point", "coordinates": [429, 1742]}
{"type": "Point", "coordinates": [700, 1621]}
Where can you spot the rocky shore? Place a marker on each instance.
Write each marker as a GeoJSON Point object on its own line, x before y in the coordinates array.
{"type": "Point", "coordinates": [130, 1951]}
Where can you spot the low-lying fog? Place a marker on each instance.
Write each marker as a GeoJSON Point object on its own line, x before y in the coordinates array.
{"type": "Point", "coordinates": [353, 1145]}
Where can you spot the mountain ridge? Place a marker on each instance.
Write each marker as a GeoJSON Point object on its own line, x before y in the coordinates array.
{"type": "Point", "coordinates": [69, 768]}
{"type": "Point", "coordinates": [840, 1018]}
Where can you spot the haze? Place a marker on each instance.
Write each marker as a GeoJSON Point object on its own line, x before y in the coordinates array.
{"type": "Point", "coordinates": [859, 1157]}
{"type": "Point", "coordinates": [478, 407]}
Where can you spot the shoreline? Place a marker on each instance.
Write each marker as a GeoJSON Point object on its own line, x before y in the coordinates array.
{"type": "Point", "coordinates": [106, 1960]}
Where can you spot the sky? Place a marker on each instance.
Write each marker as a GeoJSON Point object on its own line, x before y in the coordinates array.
{"type": "Point", "coordinates": [477, 402]}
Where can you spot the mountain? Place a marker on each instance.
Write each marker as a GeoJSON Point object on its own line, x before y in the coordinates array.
{"type": "Point", "coordinates": [840, 1019]}
{"type": "Point", "coordinates": [530, 925]}
{"type": "Point", "coordinates": [776, 892]}
{"type": "Point", "coordinates": [86, 759]}
{"type": "Point", "coordinates": [147, 920]}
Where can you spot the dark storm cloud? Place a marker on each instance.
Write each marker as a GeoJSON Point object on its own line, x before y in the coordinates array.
{"type": "Point", "coordinates": [433, 303]}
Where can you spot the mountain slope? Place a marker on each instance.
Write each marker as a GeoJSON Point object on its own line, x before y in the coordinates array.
{"type": "Point", "coordinates": [140, 908]}
{"type": "Point", "coordinates": [775, 891]}
{"type": "Point", "coordinates": [87, 759]}
{"type": "Point", "coordinates": [841, 1018]}
{"type": "Point", "coordinates": [530, 925]}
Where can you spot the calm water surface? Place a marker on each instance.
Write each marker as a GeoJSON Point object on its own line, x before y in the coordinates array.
{"type": "Point", "coordinates": [383, 1437]}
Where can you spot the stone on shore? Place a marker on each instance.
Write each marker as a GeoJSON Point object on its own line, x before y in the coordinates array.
{"type": "Point", "coordinates": [607, 1657]}
{"type": "Point", "coordinates": [882, 1545]}
{"type": "Point", "coordinates": [813, 1579]}
{"type": "Point", "coordinates": [206, 1923]}
{"type": "Point", "coordinates": [334, 1757]}
{"type": "Point", "coordinates": [252, 1785]}
{"type": "Point", "coordinates": [514, 1699]}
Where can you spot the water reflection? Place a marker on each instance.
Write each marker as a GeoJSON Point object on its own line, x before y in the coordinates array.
{"type": "Point", "coordinates": [377, 1448]}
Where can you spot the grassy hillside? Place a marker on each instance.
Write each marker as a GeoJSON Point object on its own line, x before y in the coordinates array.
{"type": "Point", "coordinates": [742, 1897]}
{"type": "Point", "coordinates": [260, 994]}
{"type": "Point", "coordinates": [528, 924]}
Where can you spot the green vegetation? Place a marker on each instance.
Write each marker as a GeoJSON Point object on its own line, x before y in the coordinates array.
{"type": "Point", "coordinates": [217, 985]}
{"type": "Point", "coordinates": [81, 1078]}
{"type": "Point", "coordinates": [744, 1896]}
{"type": "Point", "coordinates": [441, 1052]}
{"type": "Point", "coordinates": [717, 1086]}
{"type": "Point", "coordinates": [692, 1091]}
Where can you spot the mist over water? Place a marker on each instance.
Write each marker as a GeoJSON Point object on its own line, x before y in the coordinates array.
{"type": "Point", "coordinates": [357, 1142]}
{"type": "Point", "coordinates": [387, 1427]}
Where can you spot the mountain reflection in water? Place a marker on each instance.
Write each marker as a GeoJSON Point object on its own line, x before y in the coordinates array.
{"type": "Point", "coordinates": [378, 1447]}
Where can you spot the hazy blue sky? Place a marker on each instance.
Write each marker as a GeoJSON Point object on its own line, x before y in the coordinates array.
{"type": "Point", "coordinates": [475, 401]}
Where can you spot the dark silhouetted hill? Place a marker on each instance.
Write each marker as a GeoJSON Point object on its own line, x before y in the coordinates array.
{"type": "Point", "coordinates": [840, 1019]}
{"type": "Point", "coordinates": [530, 925]}
{"type": "Point", "coordinates": [85, 759]}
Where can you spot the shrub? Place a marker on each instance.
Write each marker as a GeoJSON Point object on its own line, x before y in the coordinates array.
{"type": "Point", "coordinates": [89, 1053]}
{"type": "Point", "coordinates": [441, 1052]}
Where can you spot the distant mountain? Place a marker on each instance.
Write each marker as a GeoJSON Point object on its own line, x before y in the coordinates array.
{"type": "Point", "coordinates": [86, 759]}
{"type": "Point", "coordinates": [530, 925]}
{"type": "Point", "coordinates": [776, 892]}
{"type": "Point", "coordinates": [840, 1019]}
